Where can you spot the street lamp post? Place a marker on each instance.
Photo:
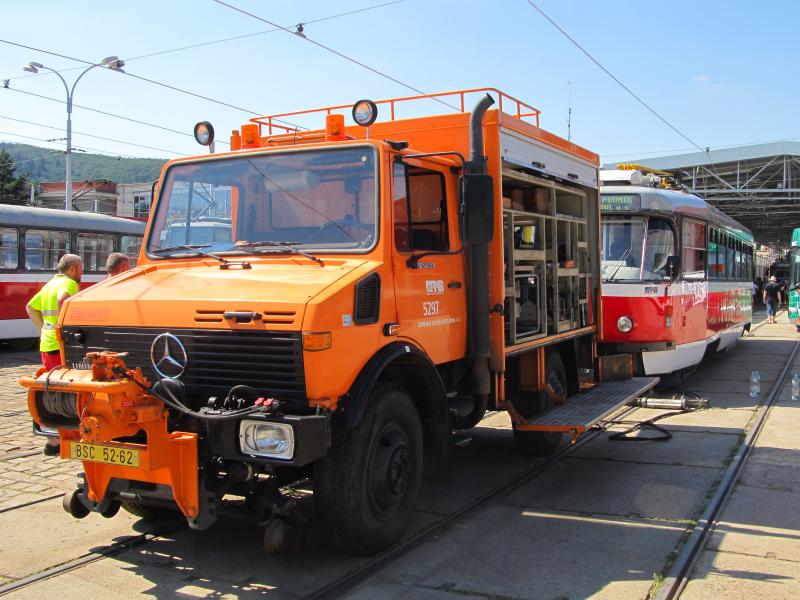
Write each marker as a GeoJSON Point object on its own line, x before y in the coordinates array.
{"type": "Point", "coordinates": [110, 62]}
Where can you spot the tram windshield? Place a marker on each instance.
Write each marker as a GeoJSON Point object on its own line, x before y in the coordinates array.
{"type": "Point", "coordinates": [636, 249]}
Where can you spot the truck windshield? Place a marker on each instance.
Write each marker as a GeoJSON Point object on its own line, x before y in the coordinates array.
{"type": "Point", "coordinates": [325, 200]}
{"type": "Point", "coordinates": [636, 249]}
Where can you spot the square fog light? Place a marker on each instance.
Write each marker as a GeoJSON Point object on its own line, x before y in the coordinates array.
{"type": "Point", "coordinates": [263, 438]}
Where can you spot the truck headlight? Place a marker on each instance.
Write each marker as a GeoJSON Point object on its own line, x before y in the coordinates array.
{"type": "Point", "coordinates": [262, 438]}
{"type": "Point", "coordinates": [624, 324]}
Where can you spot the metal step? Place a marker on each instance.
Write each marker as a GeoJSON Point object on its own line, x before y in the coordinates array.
{"type": "Point", "coordinates": [582, 411]}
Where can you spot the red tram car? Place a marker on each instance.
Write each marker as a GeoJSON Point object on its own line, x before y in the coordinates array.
{"type": "Point", "coordinates": [677, 273]}
{"type": "Point", "coordinates": [31, 242]}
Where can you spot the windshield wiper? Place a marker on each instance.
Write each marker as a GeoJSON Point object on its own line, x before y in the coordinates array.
{"type": "Point", "coordinates": [280, 246]}
{"type": "Point", "coordinates": [194, 248]}
{"type": "Point", "coordinates": [619, 266]}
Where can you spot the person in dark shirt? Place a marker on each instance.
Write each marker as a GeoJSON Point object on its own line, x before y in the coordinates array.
{"type": "Point", "coordinates": [772, 298]}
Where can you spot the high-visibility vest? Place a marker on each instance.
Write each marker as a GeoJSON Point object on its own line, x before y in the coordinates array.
{"type": "Point", "coordinates": [46, 301]}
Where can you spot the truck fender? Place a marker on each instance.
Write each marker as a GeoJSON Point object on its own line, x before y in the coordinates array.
{"type": "Point", "coordinates": [407, 365]}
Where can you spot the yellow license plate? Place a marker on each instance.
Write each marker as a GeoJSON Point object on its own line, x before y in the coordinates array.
{"type": "Point", "coordinates": [111, 455]}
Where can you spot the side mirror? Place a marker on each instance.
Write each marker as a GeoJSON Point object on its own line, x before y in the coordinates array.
{"type": "Point", "coordinates": [477, 208]}
{"type": "Point", "coordinates": [673, 267]}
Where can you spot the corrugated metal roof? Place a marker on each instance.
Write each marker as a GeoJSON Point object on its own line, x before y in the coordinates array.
{"type": "Point", "coordinates": [725, 155]}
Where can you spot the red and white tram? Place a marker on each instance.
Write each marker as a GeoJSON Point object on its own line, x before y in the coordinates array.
{"type": "Point", "coordinates": [31, 242]}
{"type": "Point", "coordinates": [677, 274]}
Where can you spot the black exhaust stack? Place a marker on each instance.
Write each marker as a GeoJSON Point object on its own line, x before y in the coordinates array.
{"type": "Point", "coordinates": [478, 257]}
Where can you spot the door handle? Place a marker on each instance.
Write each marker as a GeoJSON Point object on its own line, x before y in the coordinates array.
{"type": "Point", "coordinates": [454, 285]}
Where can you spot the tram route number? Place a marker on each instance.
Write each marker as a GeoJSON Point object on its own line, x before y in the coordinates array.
{"type": "Point", "coordinates": [104, 454]}
{"type": "Point", "coordinates": [430, 308]}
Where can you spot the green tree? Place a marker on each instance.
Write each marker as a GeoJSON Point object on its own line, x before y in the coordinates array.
{"type": "Point", "coordinates": [13, 190]}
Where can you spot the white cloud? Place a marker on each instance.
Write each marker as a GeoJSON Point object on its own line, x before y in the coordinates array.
{"type": "Point", "coordinates": [702, 78]}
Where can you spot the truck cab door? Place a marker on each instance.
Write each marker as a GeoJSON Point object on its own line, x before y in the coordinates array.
{"type": "Point", "coordinates": [430, 290]}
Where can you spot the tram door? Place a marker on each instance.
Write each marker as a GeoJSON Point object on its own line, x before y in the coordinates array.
{"type": "Point", "coordinates": [692, 306]}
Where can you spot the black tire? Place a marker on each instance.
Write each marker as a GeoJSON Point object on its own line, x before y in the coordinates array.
{"type": "Point", "coordinates": [541, 443]}
{"type": "Point", "coordinates": [71, 503]}
{"type": "Point", "coordinates": [22, 344]}
{"type": "Point", "coordinates": [149, 513]}
{"type": "Point", "coordinates": [365, 489]}
{"type": "Point", "coordinates": [473, 418]}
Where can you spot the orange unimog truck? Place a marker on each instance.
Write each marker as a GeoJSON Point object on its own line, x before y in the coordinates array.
{"type": "Point", "coordinates": [332, 304]}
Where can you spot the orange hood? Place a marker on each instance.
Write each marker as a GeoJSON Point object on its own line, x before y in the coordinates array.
{"type": "Point", "coordinates": [196, 293]}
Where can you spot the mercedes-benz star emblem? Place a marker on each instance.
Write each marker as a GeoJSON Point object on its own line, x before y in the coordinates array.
{"type": "Point", "coordinates": [168, 356]}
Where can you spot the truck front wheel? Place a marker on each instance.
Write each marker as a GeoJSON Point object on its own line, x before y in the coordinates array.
{"type": "Point", "coordinates": [365, 489]}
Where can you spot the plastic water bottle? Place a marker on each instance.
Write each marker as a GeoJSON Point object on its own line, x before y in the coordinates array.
{"type": "Point", "coordinates": [755, 384]}
{"type": "Point", "coordinates": [796, 388]}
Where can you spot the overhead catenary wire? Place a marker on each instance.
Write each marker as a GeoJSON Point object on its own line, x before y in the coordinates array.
{"type": "Point", "coordinates": [146, 79]}
{"type": "Point", "coordinates": [230, 39]}
{"type": "Point", "coordinates": [334, 51]}
{"type": "Point", "coordinates": [610, 74]}
{"type": "Point", "coordinates": [99, 137]}
{"type": "Point", "coordinates": [198, 45]}
{"type": "Point", "coordinates": [79, 149]}
{"type": "Point", "coordinates": [103, 112]}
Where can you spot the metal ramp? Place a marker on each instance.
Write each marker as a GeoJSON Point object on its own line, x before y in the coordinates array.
{"type": "Point", "coordinates": [582, 411]}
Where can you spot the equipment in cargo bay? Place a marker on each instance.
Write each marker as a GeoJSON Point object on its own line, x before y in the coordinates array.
{"type": "Point", "coordinates": [327, 306]}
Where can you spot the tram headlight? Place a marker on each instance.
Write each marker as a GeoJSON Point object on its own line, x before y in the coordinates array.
{"type": "Point", "coordinates": [624, 324]}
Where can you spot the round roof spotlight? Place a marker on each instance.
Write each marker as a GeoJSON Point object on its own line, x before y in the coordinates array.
{"type": "Point", "coordinates": [204, 133]}
{"type": "Point", "coordinates": [365, 112]}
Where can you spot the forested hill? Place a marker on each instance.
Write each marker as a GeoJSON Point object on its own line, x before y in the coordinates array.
{"type": "Point", "coordinates": [43, 164]}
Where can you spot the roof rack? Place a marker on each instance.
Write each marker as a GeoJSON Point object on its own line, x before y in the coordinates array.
{"type": "Point", "coordinates": [518, 109]}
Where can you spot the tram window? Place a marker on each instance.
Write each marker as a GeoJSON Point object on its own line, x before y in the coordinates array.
{"type": "Point", "coordinates": [94, 248]}
{"type": "Point", "coordinates": [693, 259]}
{"type": "Point", "coordinates": [739, 270]}
{"type": "Point", "coordinates": [722, 257]}
{"type": "Point", "coordinates": [660, 244]}
{"type": "Point", "coordinates": [44, 248]}
{"type": "Point", "coordinates": [731, 272]}
{"type": "Point", "coordinates": [9, 241]}
{"type": "Point", "coordinates": [713, 261]}
{"type": "Point", "coordinates": [129, 245]}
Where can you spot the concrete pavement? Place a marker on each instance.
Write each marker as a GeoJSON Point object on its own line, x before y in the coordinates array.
{"type": "Point", "coordinates": [755, 549]}
{"type": "Point", "coordinates": [604, 522]}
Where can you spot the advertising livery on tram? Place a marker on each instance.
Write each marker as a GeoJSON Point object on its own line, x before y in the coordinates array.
{"type": "Point", "coordinates": [677, 273]}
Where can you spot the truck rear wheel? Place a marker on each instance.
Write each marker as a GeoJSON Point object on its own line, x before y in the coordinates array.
{"type": "Point", "coordinates": [365, 489]}
{"type": "Point", "coordinates": [540, 443]}
{"type": "Point", "coordinates": [22, 344]}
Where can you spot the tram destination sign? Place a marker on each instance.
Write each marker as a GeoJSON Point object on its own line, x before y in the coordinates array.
{"type": "Point", "coordinates": [620, 202]}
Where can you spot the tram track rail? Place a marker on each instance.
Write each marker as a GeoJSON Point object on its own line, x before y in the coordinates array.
{"type": "Point", "coordinates": [91, 557]}
{"type": "Point", "coordinates": [371, 566]}
{"type": "Point", "coordinates": [682, 567]}
{"type": "Point", "coordinates": [339, 586]}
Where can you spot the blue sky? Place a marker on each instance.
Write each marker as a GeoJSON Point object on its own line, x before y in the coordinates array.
{"type": "Point", "coordinates": [720, 72]}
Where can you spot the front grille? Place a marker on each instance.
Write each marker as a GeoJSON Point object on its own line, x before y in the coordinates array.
{"type": "Point", "coordinates": [271, 362]}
